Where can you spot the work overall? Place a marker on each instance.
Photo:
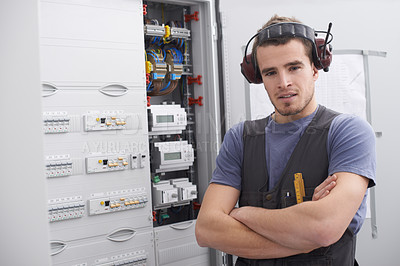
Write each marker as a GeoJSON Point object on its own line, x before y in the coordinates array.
{"type": "Point", "coordinates": [309, 158]}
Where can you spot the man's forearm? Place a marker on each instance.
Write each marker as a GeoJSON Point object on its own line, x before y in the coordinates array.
{"type": "Point", "coordinates": [310, 224]}
{"type": "Point", "coordinates": [273, 225]}
{"type": "Point", "coordinates": [230, 236]}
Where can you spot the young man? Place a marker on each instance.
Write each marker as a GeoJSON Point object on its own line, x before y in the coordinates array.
{"type": "Point", "coordinates": [258, 161]}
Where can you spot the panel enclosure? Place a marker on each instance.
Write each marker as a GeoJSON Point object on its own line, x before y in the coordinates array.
{"type": "Point", "coordinates": [176, 246]}
{"type": "Point", "coordinates": [120, 80]}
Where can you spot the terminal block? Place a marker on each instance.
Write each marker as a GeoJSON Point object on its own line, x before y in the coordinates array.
{"type": "Point", "coordinates": [58, 165]}
{"type": "Point", "coordinates": [154, 30]}
{"type": "Point", "coordinates": [61, 209]}
{"type": "Point", "coordinates": [56, 122]}
{"type": "Point", "coordinates": [159, 71]}
{"type": "Point", "coordinates": [107, 163]}
{"type": "Point", "coordinates": [164, 194]}
{"type": "Point", "coordinates": [106, 120]}
{"type": "Point", "coordinates": [118, 201]}
{"type": "Point", "coordinates": [180, 33]}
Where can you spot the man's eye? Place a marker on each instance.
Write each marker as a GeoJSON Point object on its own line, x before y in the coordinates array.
{"type": "Point", "coordinates": [294, 68]}
{"type": "Point", "coordinates": [270, 73]}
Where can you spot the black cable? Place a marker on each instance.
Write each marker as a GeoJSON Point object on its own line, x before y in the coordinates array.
{"type": "Point", "coordinates": [221, 68]}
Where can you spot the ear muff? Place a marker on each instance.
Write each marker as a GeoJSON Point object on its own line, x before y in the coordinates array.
{"type": "Point", "coordinates": [321, 48]}
{"type": "Point", "coordinates": [250, 70]}
{"type": "Point", "coordinates": [324, 55]}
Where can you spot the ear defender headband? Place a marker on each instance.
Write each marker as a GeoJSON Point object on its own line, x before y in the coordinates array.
{"type": "Point", "coordinates": [321, 48]}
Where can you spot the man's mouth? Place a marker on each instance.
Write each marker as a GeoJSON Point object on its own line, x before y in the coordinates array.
{"type": "Point", "coordinates": [287, 96]}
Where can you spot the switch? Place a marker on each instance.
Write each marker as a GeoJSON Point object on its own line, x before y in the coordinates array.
{"type": "Point", "coordinates": [142, 161]}
{"type": "Point", "coordinates": [134, 161]}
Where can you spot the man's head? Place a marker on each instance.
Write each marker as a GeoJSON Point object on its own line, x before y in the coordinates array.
{"type": "Point", "coordinates": [280, 40]}
{"type": "Point", "coordinates": [285, 64]}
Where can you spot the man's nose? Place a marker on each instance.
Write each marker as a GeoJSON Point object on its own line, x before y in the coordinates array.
{"type": "Point", "coordinates": [284, 80]}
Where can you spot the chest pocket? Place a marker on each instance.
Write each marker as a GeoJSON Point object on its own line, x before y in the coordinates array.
{"type": "Point", "coordinates": [288, 197]}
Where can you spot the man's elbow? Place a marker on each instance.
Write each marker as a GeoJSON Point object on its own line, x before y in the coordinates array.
{"type": "Point", "coordinates": [200, 235]}
{"type": "Point", "coordinates": [326, 234]}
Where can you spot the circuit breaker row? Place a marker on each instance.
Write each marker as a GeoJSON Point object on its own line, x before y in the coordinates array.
{"type": "Point", "coordinates": [63, 165]}
{"type": "Point", "coordinates": [134, 261]}
{"type": "Point", "coordinates": [167, 156]}
{"type": "Point", "coordinates": [163, 119]}
{"type": "Point", "coordinates": [65, 208]}
{"type": "Point", "coordinates": [74, 207]}
{"type": "Point", "coordinates": [118, 201]}
{"type": "Point", "coordinates": [61, 121]}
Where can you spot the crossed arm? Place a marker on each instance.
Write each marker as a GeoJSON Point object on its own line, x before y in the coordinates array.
{"type": "Point", "coordinates": [260, 233]}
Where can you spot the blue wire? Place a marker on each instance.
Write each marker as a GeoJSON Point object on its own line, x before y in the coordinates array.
{"type": "Point", "coordinates": [154, 54]}
{"type": "Point", "coordinates": [179, 55]}
{"type": "Point", "coordinates": [166, 86]}
{"type": "Point", "coordinates": [148, 87]}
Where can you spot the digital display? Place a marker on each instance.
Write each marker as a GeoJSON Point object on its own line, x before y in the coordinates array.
{"type": "Point", "coordinates": [172, 156]}
{"type": "Point", "coordinates": [164, 118]}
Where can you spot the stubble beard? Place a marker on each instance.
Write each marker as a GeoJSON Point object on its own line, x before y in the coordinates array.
{"type": "Point", "coordinates": [295, 111]}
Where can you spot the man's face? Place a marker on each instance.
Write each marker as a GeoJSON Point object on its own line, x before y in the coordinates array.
{"type": "Point", "coordinates": [289, 78]}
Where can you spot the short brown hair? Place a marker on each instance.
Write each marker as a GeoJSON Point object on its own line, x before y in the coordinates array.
{"type": "Point", "coordinates": [281, 40]}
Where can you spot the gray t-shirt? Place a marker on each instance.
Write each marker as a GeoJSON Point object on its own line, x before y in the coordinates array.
{"type": "Point", "coordinates": [350, 147]}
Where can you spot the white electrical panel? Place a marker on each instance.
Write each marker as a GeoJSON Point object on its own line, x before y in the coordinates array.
{"type": "Point", "coordinates": [106, 120]}
{"type": "Point", "coordinates": [61, 209]}
{"type": "Point", "coordinates": [110, 98]}
{"type": "Point", "coordinates": [107, 163]}
{"type": "Point", "coordinates": [56, 122]}
{"type": "Point", "coordinates": [58, 165]}
{"type": "Point", "coordinates": [166, 119]}
{"type": "Point", "coordinates": [117, 201]}
{"type": "Point", "coordinates": [164, 194]}
{"type": "Point", "coordinates": [172, 156]}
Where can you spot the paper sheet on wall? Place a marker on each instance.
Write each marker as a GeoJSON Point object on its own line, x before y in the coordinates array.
{"type": "Point", "coordinates": [341, 89]}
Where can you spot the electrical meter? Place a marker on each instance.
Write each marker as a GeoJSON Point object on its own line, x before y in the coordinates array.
{"type": "Point", "coordinates": [172, 156]}
{"type": "Point", "coordinates": [166, 119]}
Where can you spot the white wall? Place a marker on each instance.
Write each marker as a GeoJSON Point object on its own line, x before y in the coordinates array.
{"type": "Point", "coordinates": [23, 231]}
{"type": "Point", "coordinates": [357, 24]}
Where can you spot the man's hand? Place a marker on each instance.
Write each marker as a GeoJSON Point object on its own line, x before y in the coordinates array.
{"type": "Point", "coordinates": [324, 188]}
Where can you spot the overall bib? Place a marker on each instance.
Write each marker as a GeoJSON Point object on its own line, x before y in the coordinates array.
{"type": "Point", "coordinates": [309, 158]}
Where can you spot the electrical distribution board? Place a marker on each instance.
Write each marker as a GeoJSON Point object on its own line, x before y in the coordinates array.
{"type": "Point", "coordinates": [128, 93]}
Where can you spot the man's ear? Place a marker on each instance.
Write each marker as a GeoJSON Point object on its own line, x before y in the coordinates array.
{"type": "Point", "coordinates": [315, 72]}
